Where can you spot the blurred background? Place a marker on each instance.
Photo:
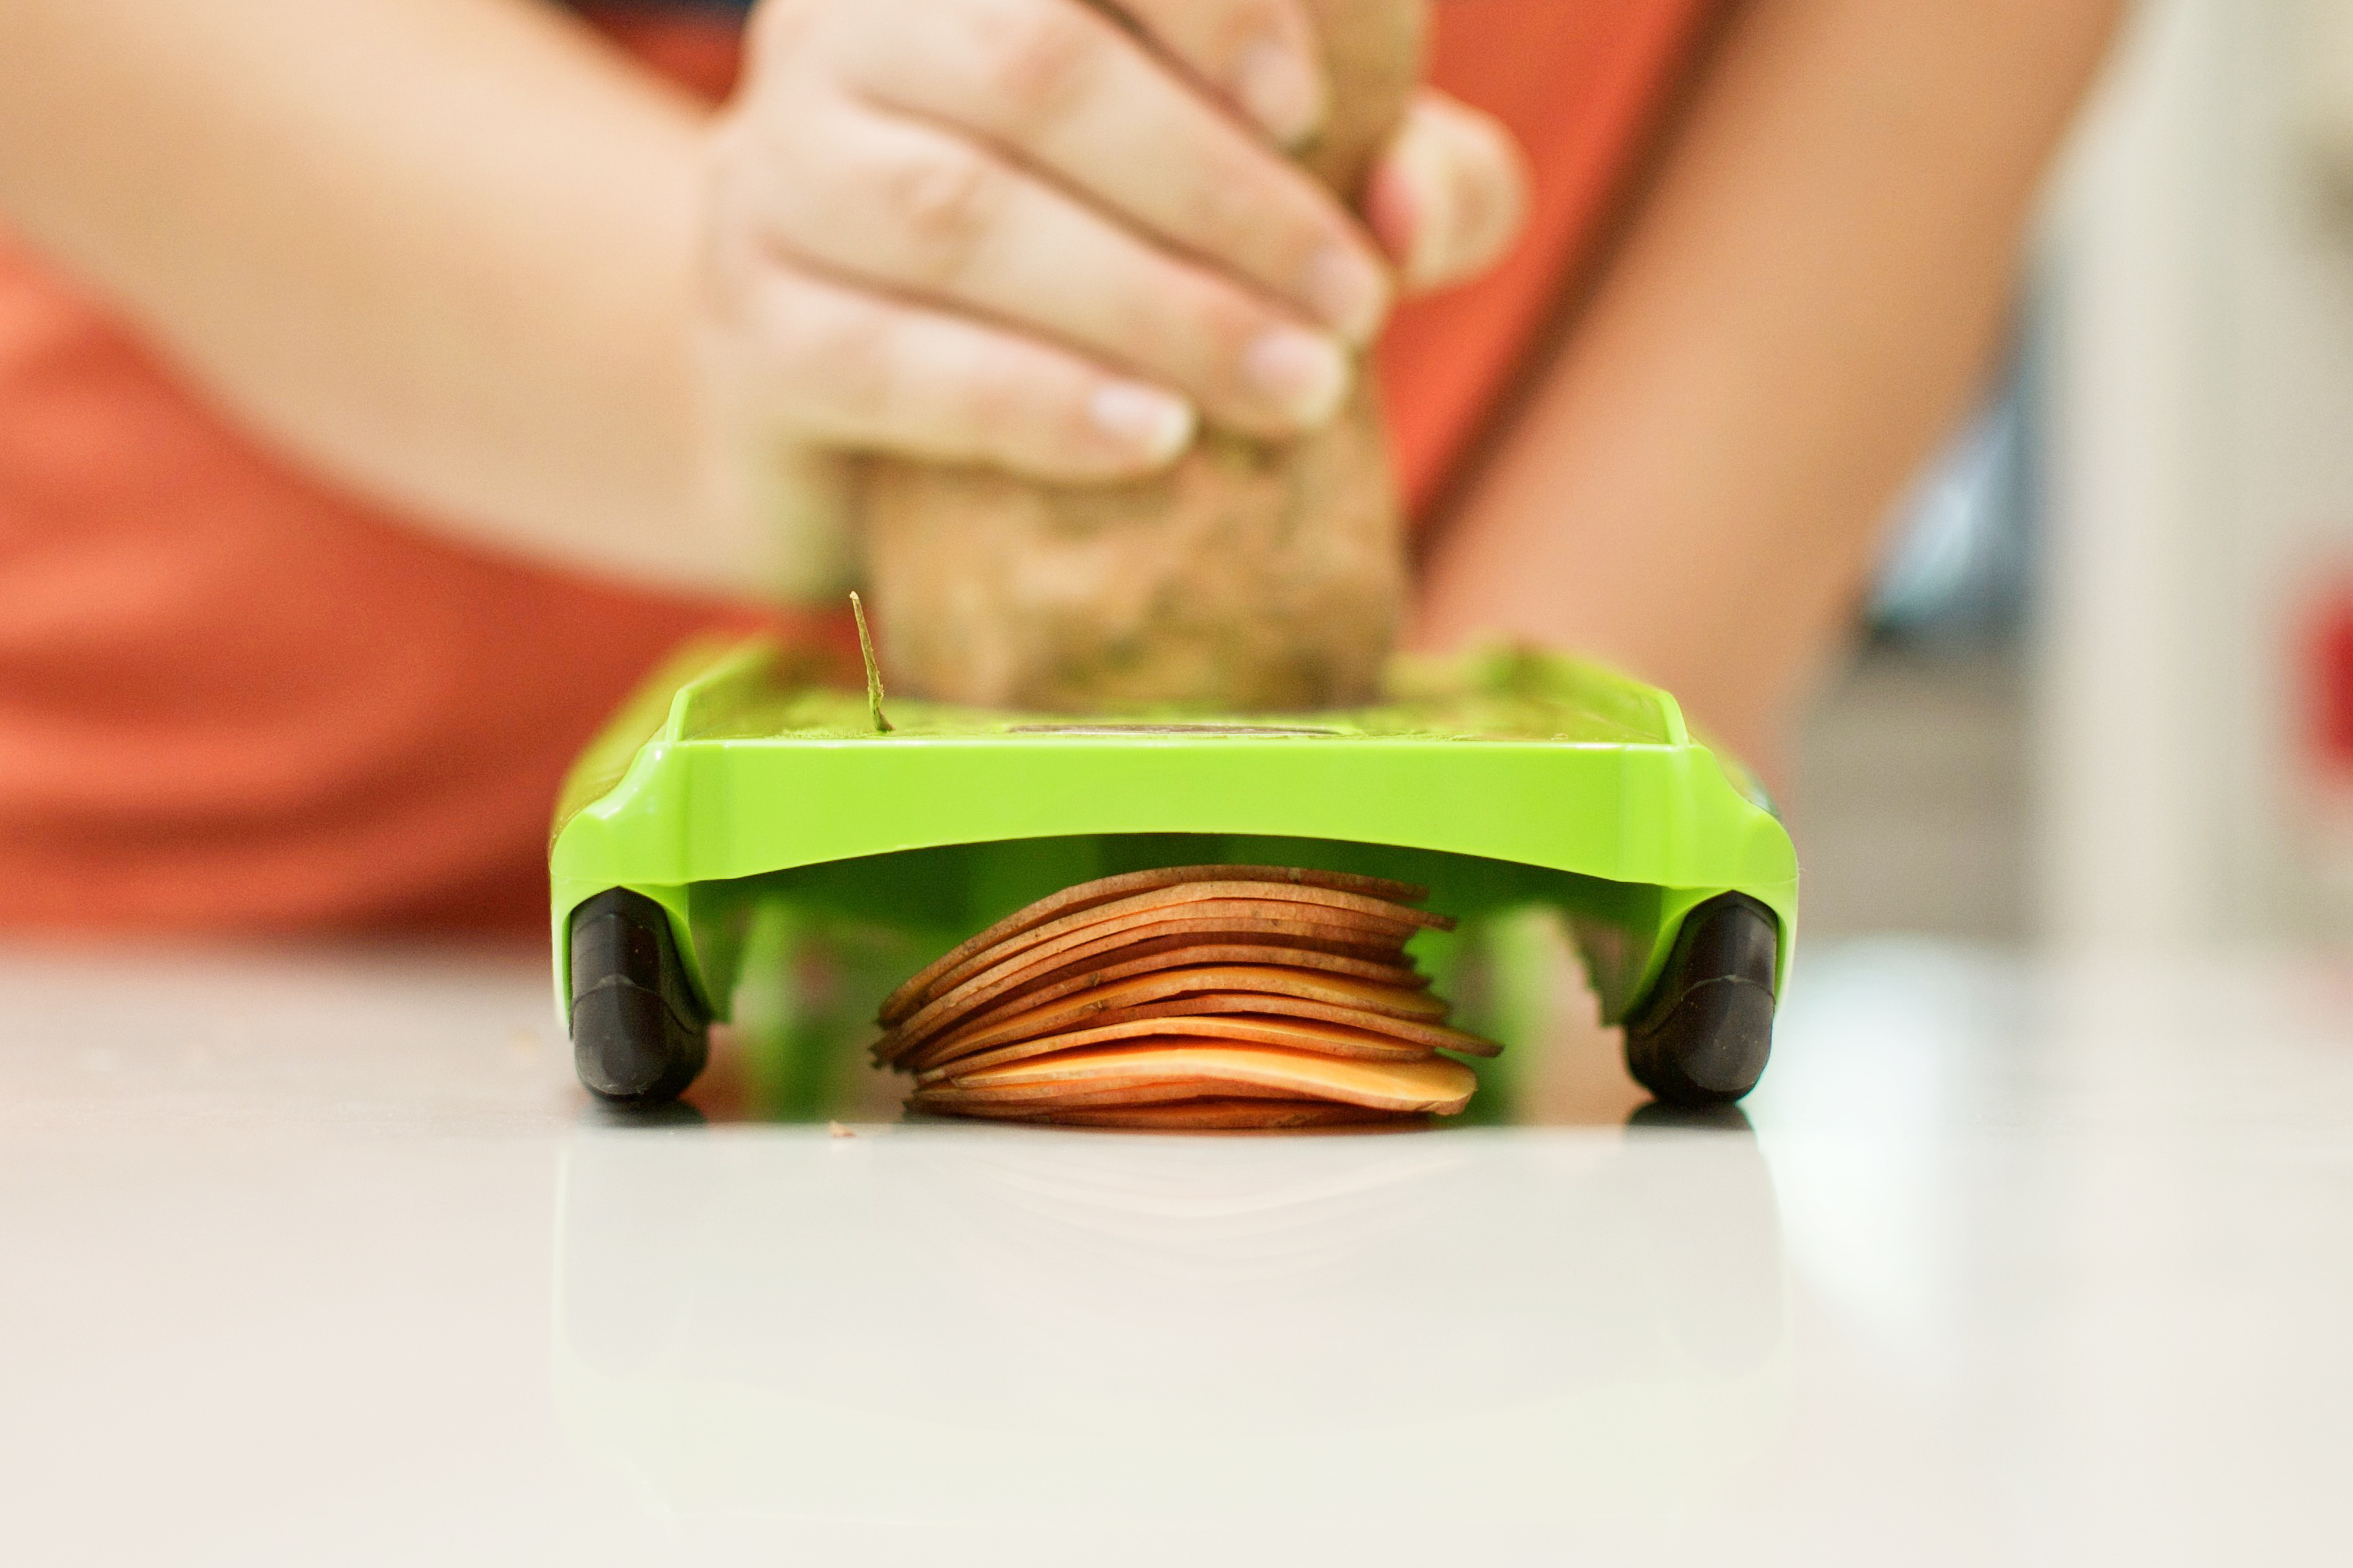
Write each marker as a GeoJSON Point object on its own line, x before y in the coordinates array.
{"type": "Point", "coordinates": [2104, 695]}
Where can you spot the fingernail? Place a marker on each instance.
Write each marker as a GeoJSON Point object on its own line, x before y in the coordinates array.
{"type": "Point", "coordinates": [1278, 88]}
{"type": "Point", "coordinates": [1144, 417]}
{"type": "Point", "coordinates": [1305, 373]}
{"type": "Point", "coordinates": [1347, 290]}
{"type": "Point", "coordinates": [1433, 201]}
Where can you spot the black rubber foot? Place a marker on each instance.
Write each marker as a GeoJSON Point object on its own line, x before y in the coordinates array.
{"type": "Point", "coordinates": [1704, 1036]}
{"type": "Point", "coordinates": [639, 1036]}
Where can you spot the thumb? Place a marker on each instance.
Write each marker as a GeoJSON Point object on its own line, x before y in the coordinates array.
{"type": "Point", "coordinates": [1448, 194]}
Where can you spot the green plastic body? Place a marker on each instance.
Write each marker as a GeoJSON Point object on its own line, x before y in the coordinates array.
{"type": "Point", "coordinates": [729, 786]}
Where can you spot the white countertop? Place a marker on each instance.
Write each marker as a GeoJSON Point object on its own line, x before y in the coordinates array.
{"type": "Point", "coordinates": [323, 1259]}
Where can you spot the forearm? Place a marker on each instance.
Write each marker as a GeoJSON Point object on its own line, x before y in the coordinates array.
{"type": "Point", "coordinates": [1806, 302]}
{"type": "Point", "coordinates": [440, 249]}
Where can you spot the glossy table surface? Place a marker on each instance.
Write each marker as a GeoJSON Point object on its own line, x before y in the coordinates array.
{"type": "Point", "coordinates": [321, 1258]}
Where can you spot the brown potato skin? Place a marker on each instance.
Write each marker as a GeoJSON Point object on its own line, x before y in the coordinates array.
{"type": "Point", "coordinates": [1251, 575]}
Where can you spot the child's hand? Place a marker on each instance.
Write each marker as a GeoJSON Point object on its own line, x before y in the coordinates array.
{"type": "Point", "coordinates": [1014, 232]}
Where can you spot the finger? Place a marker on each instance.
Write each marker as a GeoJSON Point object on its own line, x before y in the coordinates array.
{"type": "Point", "coordinates": [910, 207]}
{"type": "Point", "coordinates": [1260, 56]}
{"type": "Point", "coordinates": [1449, 195]}
{"type": "Point", "coordinates": [1065, 91]}
{"type": "Point", "coordinates": [849, 369]}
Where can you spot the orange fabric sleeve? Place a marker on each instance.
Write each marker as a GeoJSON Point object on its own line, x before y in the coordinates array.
{"type": "Point", "coordinates": [1581, 86]}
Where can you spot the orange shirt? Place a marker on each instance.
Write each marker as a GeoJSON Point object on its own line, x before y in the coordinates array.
{"type": "Point", "coordinates": [233, 698]}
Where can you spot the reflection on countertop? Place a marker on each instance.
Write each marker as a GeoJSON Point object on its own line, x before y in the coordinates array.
{"type": "Point", "coordinates": [322, 1256]}
{"type": "Point", "coordinates": [1046, 1326]}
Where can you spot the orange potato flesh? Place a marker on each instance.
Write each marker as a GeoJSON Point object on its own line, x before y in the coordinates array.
{"type": "Point", "coordinates": [1211, 1116]}
{"type": "Point", "coordinates": [1433, 1084]}
{"type": "Point", "coordinates": [1107, 890]}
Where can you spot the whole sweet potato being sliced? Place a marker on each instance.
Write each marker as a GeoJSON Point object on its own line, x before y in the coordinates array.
{"type": "Point", "coordinates": [1249, 575]}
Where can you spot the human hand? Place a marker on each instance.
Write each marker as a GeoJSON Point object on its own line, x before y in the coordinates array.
{"type": "Point", "coordinates": [1016, 233]}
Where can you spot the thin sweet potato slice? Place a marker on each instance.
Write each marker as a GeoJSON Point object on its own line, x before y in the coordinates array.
{"type": "Point", "coordinates": [1107, 889]}
{"type": "Point", "coordinates": [1323, 906]}
{"type": "Point", "coordinates": [1339, 991]}
{"type": "Point", "coordinates": [1188, 951]}
{"type": "Point", "coordinates": [1064, 953]}
{"type": "Point", "coordinates": [1278, 1020]}
{"type": "Point", "coordinates": [1237, 1116]}
{"type": "Point", "coordinates": [1433, 1084]}
{"type": "Point", "coordinates": [1064, 1097]}
{"type": "Point", "coordinates": [1149, 915]}
{"type": "Point", "coordinates": [1383, 965]}
{"type": "Point", "coordinates": [1320, 1036]}
{"type": "Point", "coordinates": [1116, 958]}
{"type": "Point", "coordinates": [1056, 962]}
{"type": "Point", "coordinates": [1218, 1115]}
{"type": "Point", "coordinates": [1033, 1097]}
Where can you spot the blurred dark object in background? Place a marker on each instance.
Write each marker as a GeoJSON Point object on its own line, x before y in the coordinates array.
{"type": "Point", "coordinates": [1911, 787]}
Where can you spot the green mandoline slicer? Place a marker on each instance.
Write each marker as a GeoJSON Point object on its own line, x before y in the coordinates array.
{"type": "Point", "coordinates": [732, 791]}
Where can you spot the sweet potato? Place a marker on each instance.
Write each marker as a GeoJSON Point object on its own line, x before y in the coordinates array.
{"type": "Point", "coordinates": [1251, 575]}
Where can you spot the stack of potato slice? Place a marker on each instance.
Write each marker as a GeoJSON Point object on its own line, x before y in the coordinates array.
{"type": "Point", "coordinates": [1189, 996]}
